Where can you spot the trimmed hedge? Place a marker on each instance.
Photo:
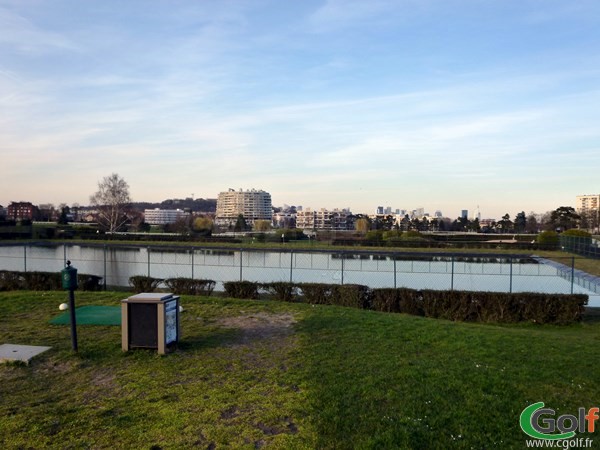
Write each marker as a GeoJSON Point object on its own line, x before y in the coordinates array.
{"type": "Point", "coordinates": [190, 286]}
{"type": "Point", "coordinates": [559, 309]}
{"type": "Point", "coordinates": [242, 289]}
{"type": "Point", "coordinates": [283, 291]}
{"type": "Point", "coordinates": [317, 293]}
{"type": "Point", "coordinates": [353, 295]}
{"type": "Point", "coordinates": [143, 283]}
{"type": "Point", "coordinates": [44, 281]}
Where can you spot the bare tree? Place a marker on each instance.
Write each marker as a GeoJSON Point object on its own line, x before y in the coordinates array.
{"type": "Point", "coordinates": [111, 200]}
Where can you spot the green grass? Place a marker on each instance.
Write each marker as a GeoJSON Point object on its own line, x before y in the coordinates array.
{"type": "Point", "coordinates": [260, 374]}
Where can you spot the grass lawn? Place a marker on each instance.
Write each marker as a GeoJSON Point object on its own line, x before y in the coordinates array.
{"type": "Point", "coordinates": [263, 374]}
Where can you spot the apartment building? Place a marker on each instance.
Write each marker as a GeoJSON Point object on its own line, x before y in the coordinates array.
{"type": "Point", "coordinates": [163, 216]}
{"type": "Point", "coordinates": [324, 219]}
{"type": "Point", "coordinates": [21, 211]}
{"type": "Point", "coordinates": [252, 204]}
{"type": "Point", "coordinates": [586, 203]}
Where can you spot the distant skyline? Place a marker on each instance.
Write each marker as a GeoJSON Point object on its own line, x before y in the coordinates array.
{"type": "Point", "coordinates": [439, 104]}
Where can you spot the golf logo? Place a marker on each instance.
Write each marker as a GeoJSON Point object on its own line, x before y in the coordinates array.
{"type": "Point", "coordinates": [541, 423]}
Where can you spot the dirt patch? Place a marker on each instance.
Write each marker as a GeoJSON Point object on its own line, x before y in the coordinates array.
{"type": "Point", "coordinates": [260, 325]}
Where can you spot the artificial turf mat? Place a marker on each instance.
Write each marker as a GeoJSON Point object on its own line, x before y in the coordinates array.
{"type": "Point", "coordinates": [91, 315]}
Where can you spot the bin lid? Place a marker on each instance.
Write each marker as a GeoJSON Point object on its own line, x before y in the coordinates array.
{"type": "Point", "coordinates": [147, 297]}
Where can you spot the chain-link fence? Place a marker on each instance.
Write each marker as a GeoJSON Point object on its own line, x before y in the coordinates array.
{"type": "Point", "coordinates": [475, 272]}
{"type": "Point", "coordinates": [581, 245]}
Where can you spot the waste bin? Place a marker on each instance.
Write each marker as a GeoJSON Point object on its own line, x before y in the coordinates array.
{"type": "Point", "coordinates": [150, 320]}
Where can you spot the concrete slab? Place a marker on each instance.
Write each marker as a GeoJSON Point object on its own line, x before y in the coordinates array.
{"type": "Point", "coordinates": [24, 353]}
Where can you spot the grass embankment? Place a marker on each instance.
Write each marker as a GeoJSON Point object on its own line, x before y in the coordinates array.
{"type": "Point", "coordinates": [252, 374]}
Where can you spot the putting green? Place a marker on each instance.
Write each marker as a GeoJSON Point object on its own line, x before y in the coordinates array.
{"type": "Point", "coordinates": [91, 315]}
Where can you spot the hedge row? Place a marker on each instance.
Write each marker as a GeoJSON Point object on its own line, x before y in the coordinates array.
{"type": "Point", "coordinates": [44, 281]}
{"type": "Point", "coordinates": [180, 286]}
{"type": "Point", "coordinates": [494, 307]}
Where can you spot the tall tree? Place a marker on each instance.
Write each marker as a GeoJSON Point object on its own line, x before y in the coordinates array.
{"type": "Point", "coordinates": [111, 200]}
{"type": "Point", "coordinates": [564, 218]}
{"type": "Point", "coordinates": [532, 225]}
{"type": "Point", "coordinates": [520, 222]}
{"type": "Point", "coordinates": [505, 224]}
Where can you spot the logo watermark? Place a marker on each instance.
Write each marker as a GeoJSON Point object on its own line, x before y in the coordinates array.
{"type": "Point", "coordinates": [549, 431]}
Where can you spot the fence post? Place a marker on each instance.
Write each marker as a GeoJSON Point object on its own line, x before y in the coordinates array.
{"type": "Point", "coordinates": [452, 276]}
{"type": "Point", "coordinates": [64, 255]}
{"type": "Point", "coordinates": [105, 251]}
{"type": "Point", "coordinates": [291, 265]}
{"type": "Point", "coordinates": [24, 257]}
{"type": "Point", "coordinates": [511, 276]}
{"type": "Point", "coordinates": [572, 273]}
{"type": "Point", "coordinates": [192, 263]}
{"type": "Point", "coordinates": [342, 255]}
{"type": "Point", "coordinates": [148, 252]}
{"type": "Point", "coordinates": [395, 285]}
{"type": "Point", "coordinates": [241, 270]}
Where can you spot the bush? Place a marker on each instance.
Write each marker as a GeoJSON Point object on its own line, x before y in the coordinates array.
{"type": "Point", "coordinates": [353, 295]}
{"type": "Point", "coordinates": [42, 281]}
{"type": "Point", "coordinates": [548, 239]}
{"type": "Point", "coordinates": [282, 291]}
{"type": "Point", "coordinates": [143, 283]}
{"type": "Point", "coordinates": [385, 300]}
{"type": "Point", "coordinates": [410, 301]}
{"type": "Point", "coordinates": [317, 293]}
{"type": "Point", "coordinates": [11, 281]}
{"type": "Point", "coordinates": [241, 289]}
{"type": "Point", "coordinates": [89, 282]}
{"type": "Point", "coordinates": [190, 286]}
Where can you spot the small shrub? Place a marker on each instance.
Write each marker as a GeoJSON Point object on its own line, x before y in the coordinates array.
{"type": "Point", "coordinates": [241, 289]}
{"type": "Point", "coordinates": [89, 282]}
{"type": "Point", "coordinates": [548, 240]}
{"type": "Point", "coordinates": [385, 300]}
{"type": "Point", "coordinates": [353, 295]}
{"type": "Point", "coordinates": [410, 301]}
{"type": "Point", "coordinates": [42, 281]}
{"type": "Point", "coordinates": [190, 286]}
{"type": "Point", "coordinates": [143, 283]}
{"type": "Point", "coordinates": [11, 281]}
{"type": "Point", "coordinates": [282, 291]}
{"type": "Point", "coordinates": [317, 293]}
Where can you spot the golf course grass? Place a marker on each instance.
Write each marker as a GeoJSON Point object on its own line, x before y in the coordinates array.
{"type": "Point", "coordinates": [264, 374]}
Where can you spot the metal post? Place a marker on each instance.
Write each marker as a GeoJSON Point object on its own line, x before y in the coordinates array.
{"type": "Point", "coordinates": [395, 275]}
{"type": "Point", "coordinates": [241, 270]}
{"type": "Point", "coordinates": [342, 254]}
{"type": "Point", "coordinates": [572, 273]}
{"type": "Point", "coordinates": [148, 252]}
{"type": "Point", "coordinates": [291, 265]}
{"type": "Point", "coordinates": [452, 276]}
{"type": "Point", "coordinates": [192, 262]}
{"type": "Point", "coordinates": [25, 258]}
{"type": "Point", "coordinates": [105, 251]}
{"type": "Point", "coordinates": [511, 276]}
{"type": "Point", "coordinates": [65, 254]}
{"type": "Point", "coordinates": [73, 319]}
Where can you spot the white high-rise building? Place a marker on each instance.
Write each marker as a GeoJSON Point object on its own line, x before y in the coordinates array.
{"type": "Point", "coordinates": [586, 203]}
{"type": "Point", "coordinates": [253, 205]}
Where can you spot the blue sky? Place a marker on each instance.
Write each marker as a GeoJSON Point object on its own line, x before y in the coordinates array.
{"type": "Point", "coordinates": [438, 104]}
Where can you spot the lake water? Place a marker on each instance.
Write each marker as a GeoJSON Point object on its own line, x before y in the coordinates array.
{"type": "Point", "coordinates": [117, 264]}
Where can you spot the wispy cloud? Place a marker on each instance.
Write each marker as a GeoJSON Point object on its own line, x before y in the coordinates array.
{"type": "Point", "coordinates": [24, 36]}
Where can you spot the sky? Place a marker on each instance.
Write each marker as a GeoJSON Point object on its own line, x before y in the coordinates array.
{"type": "Point", "coordinates": [436, 104]}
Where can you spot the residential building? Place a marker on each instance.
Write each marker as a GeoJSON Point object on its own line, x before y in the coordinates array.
{"type": "Point", "coordinates": [164, 216]}
{"type": "Point", "coordinates": [324, 219]}
{"type": "Point", "coordinates": [252, 204]}
{"type": "Point", "coordinates": [586, 203]}
{"type": "Point", "coordinates": [22, 211]}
